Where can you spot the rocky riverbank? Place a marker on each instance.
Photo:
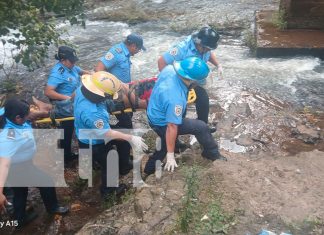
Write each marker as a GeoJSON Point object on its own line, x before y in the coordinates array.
{"type": "Point", "coordinates": [270, 125]}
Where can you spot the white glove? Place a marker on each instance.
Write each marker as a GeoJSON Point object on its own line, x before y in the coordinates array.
{"type": "Point", "coordinates": [171, 162]}
{"type": "Point", "coordinates": [220, 71]}
{"type": "Point", "coordinates": [138, 143]}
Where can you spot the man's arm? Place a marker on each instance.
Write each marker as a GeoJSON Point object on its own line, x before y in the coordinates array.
{"type": "Point", "coordinates": [83, 72]}
{"type": "Point", "coordinates": [213, 59]}
{"type": "Point", "coordinates": [100, 67]}
{"type": "Point", "coordinates": [52, 94]}
{"type": "Point", "coordinates": [161, 63]}
{"type": "Point", "coordinates": [171, 136]}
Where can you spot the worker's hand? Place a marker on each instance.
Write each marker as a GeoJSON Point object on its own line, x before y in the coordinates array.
{"type": "Point", "coordinates": [220, 71]}
{"type": "Point", "coordinates": [171, 162]}
{"type": "Point", "coordinates": [138, 143]}
{"type": "Point", "coordinates": [3, 202]}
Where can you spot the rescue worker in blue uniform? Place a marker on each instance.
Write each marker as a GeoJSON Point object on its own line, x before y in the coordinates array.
{"type": "Point", "coordinates": [198, 45]}
{"type": "Point", "coordinates": [63, 80]}
{"type": "Point", "coordinates": [166, 109]}
{"type": "Point", "coordinates": [117, 62]}
{"type": "Point", "coordinates": [90, 113]}
{"type": "Point", "coordinates": [17, 149]}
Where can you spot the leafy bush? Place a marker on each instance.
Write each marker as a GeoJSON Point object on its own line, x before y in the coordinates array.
{"type": "Point", "coordinates": [30, 26]}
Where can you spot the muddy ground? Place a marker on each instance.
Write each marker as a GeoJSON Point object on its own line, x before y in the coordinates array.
{"type": "Point", "coordinates": [271, 181]}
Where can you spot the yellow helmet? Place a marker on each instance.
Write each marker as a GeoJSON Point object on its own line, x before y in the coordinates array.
{"type": "Point", "coordinates": [102, 83]}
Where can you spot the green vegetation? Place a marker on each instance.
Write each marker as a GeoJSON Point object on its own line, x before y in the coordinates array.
{"type": "Point", "coordinates": [79, 184]}
{"type": "Point", "coordinates": [30, 27]}
{"type": "Point", "coordinates": [250, 40]}
{"type": "Point", "coordinates": [201, 217]}
{"type": "Point", "coordinates": [279, 20]}
{"type": "Point", "coordinates": [314, 226]}
{"type": "Point", "coordinates": [190, 207]}
{"type": "Point", "coordinates": [129, 195]}
{"type": "Point", "coordinates": [8, 86]}
{"type": "Point", "coordinates": [215, 220]}
{"type": "Point", "coordinates": [110, 201]}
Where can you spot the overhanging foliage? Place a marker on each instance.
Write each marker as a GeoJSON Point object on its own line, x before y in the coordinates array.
{"type": "Point", "coordinates": [30, 26]}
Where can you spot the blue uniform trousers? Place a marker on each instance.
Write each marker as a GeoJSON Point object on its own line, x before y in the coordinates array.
{"type": "Point", "coordinates": [29, 173]}
{"type": "Point", "coordinates": [195, 127]}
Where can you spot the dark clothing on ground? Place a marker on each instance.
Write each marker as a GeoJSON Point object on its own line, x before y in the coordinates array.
{"type": "Point", "coordinates": [202, 103]}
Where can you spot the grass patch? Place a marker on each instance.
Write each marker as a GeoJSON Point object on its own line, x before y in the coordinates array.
{"type": "Point", "coordinates": [215, 221]}
{"type": "Point", "coordinates": [201, 217]}
{"type": "Point", "coordinates": [110, 201]}
{"type": "Point", "coordinates": [279, 20]}
{"type": "Point", "coordinates": [8, 86]}
{"type": "Point", "coordinates": [129, 194]}
{"type": "Point", "coordinates": [250, 41]}
{"type": "Point", "coordinates": [190, 201]}
{"type": "Point", "coordinates": [79, 184]}
{"type": "Point", "coordinates": [312, 226]}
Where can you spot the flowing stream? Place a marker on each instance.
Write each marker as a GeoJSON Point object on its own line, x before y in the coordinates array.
{"type": "Point", "coordinates": [299, 80]}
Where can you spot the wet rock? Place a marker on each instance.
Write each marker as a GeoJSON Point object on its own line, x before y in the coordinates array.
{"type": "Point", "coordinates": [306, 134]}
{"type": "Point", "coordinates": [308, 131]}
{"type": "Point", "coordinates": [237, 113]}
{"type": "Point", "coordinates": [244, 140]}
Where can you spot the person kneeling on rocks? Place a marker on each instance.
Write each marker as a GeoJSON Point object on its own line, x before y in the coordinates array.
{"type": "Point", "coordinates": [166, 108]}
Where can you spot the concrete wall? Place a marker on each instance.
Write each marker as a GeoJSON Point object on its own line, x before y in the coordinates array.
{"type": "Point", "coordinates": [303, 14]}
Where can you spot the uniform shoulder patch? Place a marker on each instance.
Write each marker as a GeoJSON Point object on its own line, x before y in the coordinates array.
{"type": "Point", "coordinates": [178, 110]}
{"type": "Point", "coordinates": [99, 124]}
{"type": "Point", "coordinates": [174, 51]}
{"type": "Point", "coordinates": [61, 70]}
{"type": "Point", "coordinates": [11, 134]}
{"type": "Point", "coordinates": [118, 50]}
{"type": "Point", "coordinates": [109, 56]}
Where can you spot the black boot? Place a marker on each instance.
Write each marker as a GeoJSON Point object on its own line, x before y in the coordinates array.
{"type": "Point", "coordinates": [213, 155]}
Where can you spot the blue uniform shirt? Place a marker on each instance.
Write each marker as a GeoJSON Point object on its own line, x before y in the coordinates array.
{"type": "Point", "coordinates": [65, 80]}
{"type": "Point", "coordinates": [17, 142]}
{"type": "Point", "coordinates": [183, 50]}
{"type": "Point", "coordinates": [168, 100]}
{"type": "Point", "coordinates": [117, 61]}
{"type": "Point", "coordinates": [90, 116]}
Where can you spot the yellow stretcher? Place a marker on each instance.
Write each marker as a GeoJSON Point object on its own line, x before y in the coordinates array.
{"type": "Point", "coordinates": [57, 121]}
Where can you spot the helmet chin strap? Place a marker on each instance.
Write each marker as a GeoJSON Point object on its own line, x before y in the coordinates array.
{"type": "Point", "coordinates": [197, 40]}
{"type": "Point", "coordinates": [189, 83]}
{"type": "Point", "coordinates": [94, 98]}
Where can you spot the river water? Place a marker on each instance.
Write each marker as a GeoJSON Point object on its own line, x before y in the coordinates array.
{"type": "Point", "coordinates": [298, 80]}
